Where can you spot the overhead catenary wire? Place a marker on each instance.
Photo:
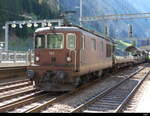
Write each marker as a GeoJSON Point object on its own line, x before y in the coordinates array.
{"type": "Point", "coordinates": [116, 17]}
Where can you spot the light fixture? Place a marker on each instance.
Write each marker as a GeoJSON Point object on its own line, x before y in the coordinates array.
{"type": "Point", "coordinates": [29, 25]}
{"type": "Point", "coordinates": [13, 25]}
{"type": "Point", "coordinates": [37, 58]}
{"type": "Point", "coordinates": [23, 23]}
{"type": "Point", "coordinates": [68, 59]}
{"type": "Point", "coordinates": [44, 24]}
{"type": "Point", "coordinates": [3, 27]}
{"type": "Point", "coordinates": [1, 45]}
{"type": "Point", "coordinates": [35, 25]}
{"type": "Point", "coordinates": [49, 24]}
{"type": "Point", "coordinates": [20, 26]}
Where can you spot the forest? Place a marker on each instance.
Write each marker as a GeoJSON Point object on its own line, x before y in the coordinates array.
{"type": "Point", "coordinates": [25, 10]}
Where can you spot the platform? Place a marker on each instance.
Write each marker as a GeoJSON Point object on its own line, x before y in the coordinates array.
{"type": "Point", "coordinates": [144, 99]}
{"type": "Point", "coordinates": [3, 65]}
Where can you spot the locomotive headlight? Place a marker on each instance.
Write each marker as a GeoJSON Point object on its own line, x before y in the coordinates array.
{"type": "Point", "coordinates": [68, 59]}
{"type": "Point", "coordinates": [37, 58]}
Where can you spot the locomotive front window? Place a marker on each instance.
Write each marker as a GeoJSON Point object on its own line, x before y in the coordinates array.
{"type": "Point", "coordinates": [71, 41]}
{"type": "Point", "coordinates": [55, 41]}
{"type": "Point", "coordinates": [40, 41]}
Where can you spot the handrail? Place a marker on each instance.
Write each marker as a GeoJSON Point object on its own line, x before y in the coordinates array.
{"type": "Point", "coordinates": [9, 56]}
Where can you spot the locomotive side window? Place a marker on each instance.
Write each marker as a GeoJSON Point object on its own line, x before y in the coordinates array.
{"type": "Point", "coordinates": [40, 41]}
{"type": "Point", "coordinates": [93, 44]}
{"type": "Point", "coordinates": [108, 50]}
{"type": "Point", "coordinates": [55, 41]}
{"type": "Point", "coordinates": [82, 42]}
{"type": "Point", "coordinates": [101, 45]}
{"type": "Point", "coordinates": [71, 41]}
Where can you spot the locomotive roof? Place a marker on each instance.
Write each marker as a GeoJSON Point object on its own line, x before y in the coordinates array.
{"type": "Point", "coordinates": [72, 28]}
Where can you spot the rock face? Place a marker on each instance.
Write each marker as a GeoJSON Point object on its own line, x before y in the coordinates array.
{"type": "Point", "coordinates": [53, 4]}
{"type": "Point", "coordinates": [118, 28]}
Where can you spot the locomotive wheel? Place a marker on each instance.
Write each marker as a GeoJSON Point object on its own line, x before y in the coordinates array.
{"type": "Point", "coordinates": [78, 82]}
{"type": "Point", "coordinates": [99, 73]}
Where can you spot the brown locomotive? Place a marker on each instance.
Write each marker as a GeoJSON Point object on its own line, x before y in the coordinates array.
{"type": "Point", "coordinates": [63, 55]}
{"type": "Point", "coordinates": [67, 56]}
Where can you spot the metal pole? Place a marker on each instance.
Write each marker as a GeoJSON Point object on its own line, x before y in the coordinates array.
{"type": "Point", "coordinates": [15, 57]}
{"type": "Point", "coordinates": [106, 30]}
{"type": "Point", "coordinates": [59, 23]}
{"type": "Point", "coordinates": [130, 31]}
{"type": "Point", "coordinates": [1, 56]}
{"type": "Point", "coordinates": [6, 36]}
{"type": "Point", "coordinates": [81, 13]}
{"type": "Point", "coordinates": [28, 57]}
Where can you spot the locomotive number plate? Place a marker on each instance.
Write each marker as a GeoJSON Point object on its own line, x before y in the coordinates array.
{"type": "Point", "coordinates": [51, 53]}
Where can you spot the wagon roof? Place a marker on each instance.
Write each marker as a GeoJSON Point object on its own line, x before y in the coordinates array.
{"type": "Point", "coordinates": [134, 49]}
{"type": "Point", "coordinates": [73, 28]}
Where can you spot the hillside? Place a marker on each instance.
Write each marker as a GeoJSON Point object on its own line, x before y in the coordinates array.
{"type": "Point", "coordinates": [49, 9]}
{"type": "Point", "coordinates": [119, 28]}
{"type": "Point", "coordinates": [20, 39]}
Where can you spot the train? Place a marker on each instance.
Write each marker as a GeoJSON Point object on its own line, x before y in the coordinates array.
{"type": "Point", "coordinates": [66, 57]}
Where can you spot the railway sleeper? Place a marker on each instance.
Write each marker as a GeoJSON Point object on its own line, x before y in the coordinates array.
{"type": "Point", "coordinates": [98, 108]}
{"type": "Point", "coordinates": [104, 106]}
{"type": "Point", "coordinates": [107, 103]}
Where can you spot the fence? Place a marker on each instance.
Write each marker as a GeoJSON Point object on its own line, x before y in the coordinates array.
{"type": "Point", "coordinates": [16, 57]}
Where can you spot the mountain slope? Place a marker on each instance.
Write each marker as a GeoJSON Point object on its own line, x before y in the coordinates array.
{"type": "Point", "coordinates": [21, 39]}
{"type": "Point", "coordinates": [118, 29]}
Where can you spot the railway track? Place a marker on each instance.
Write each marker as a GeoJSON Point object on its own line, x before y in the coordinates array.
{"type": "Point", "coordinates": [14, 85]}
{"type": "Point", "coordinates": [49, 103]}
{"type": "Point", "coordinates": [18, 93]}
{"type": "Point", "coordinates": [41, 107]}
{"type": "Point", "coordinates": [11, 72]}
{"type": "Point", "coordinates": [31, 100]}
{"type": "Point", "coordinates": [23, 101]}
{"type": "Point", "coordinates": [115, 98]}
{"type": "Point", "coordinates": [13, 68]}
{"type": "Point", "coordinates": [139, 102]}
{"type": "Point", "coordinates": [14, 82]}
{"type": "Point", "coordinates": [14, 90]}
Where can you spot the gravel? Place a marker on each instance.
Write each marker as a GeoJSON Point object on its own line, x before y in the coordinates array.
{"type": "Point", "coordinates": [68, 104]}
{"type": "Point", "coordinates": [140, 101]}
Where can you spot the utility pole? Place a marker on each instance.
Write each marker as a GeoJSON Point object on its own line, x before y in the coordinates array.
{"type": "Point", "coordinates": [81, 12]}
{"type": "Point", "coordinates": [106, 30]}
{"type": "Point", "coordinates": [131, 35]}
{"type": "Point", "coordinates": [130, 31]}
{"type": "Point", "coordinates": [6, 36]}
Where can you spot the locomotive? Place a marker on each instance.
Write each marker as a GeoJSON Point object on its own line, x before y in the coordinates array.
{"type": "Point", "coordinates": [65, 56]}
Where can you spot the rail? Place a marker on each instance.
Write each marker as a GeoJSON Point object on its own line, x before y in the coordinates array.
{"type": "Point", "coordinates": [16, 57]}
{"type": "Point", "coordinates": [108, 92]}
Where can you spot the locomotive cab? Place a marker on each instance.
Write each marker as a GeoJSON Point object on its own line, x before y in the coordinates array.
{"type": "Point", "coordinates": [54, 49]}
